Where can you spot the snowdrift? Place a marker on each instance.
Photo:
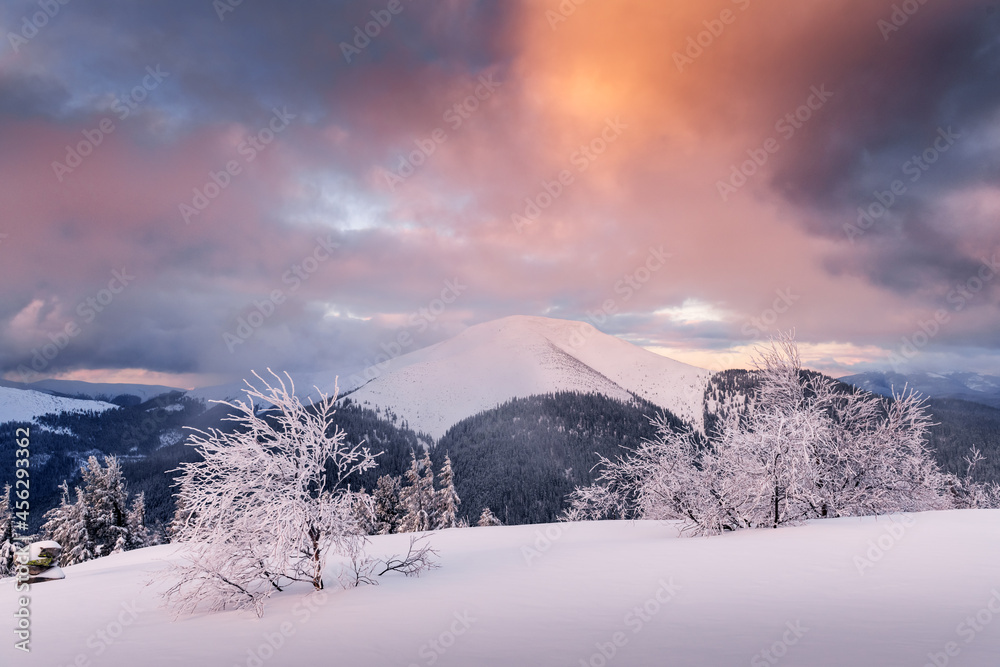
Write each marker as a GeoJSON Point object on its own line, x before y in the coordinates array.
{"type": "Point", "coordinates": [918, 589]}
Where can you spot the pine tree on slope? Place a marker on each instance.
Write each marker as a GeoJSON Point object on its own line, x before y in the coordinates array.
{"type": "Point", "coordinates": [487, 518]}
{"type": "Point", "coordinates": [418, 498]}
{"type": "Point", "coordinates": [99, 522]}
{"type": "Point", "coordinates": [7, 547]}
{"type": "Point", "coordinates": [68, 524]}
{"type": "Point", "coordinates": [447, 500]}
{"type": "Point", "coordinates": [389, 508]}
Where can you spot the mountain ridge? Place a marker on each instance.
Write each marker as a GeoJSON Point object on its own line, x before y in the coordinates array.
{"type": "Point", "coordinates": [520, 356]}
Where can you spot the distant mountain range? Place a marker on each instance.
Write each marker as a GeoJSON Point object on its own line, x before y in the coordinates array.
{"type": "Point", "coordinates": [523, 405]}
{"type": "Point", "coordinates": [488, 364]}
{"type": "Point", "coordinates": [974, 387]}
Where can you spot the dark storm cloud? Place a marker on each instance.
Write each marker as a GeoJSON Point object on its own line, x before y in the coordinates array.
{"type": "Point", "coordinates": [260, 53]}
{"type": "Point", "coordinates": [933, 78]}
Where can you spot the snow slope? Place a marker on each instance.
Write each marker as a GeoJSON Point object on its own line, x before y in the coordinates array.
{"type": "Point", "coordinates": [519, 356]}
{"type": "Point", "coordinates": [556, 595]}
{"type": "Point", "coordinates": [26, 405]}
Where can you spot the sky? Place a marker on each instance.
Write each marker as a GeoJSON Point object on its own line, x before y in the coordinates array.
{"type": "Point", "coordinates": [193, 189]}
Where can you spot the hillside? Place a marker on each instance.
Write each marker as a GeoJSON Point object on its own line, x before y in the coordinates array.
{"type": "Point", "coordinates": [149, 440]}
{"type": "Point", "coordinates": [26, 405]}
{"type": "Point", "coordinates": [557, 595]}
{"type": "Point", "coordinates": [515, 357]}
{"type": "Point", "coordinates": [522, 459]}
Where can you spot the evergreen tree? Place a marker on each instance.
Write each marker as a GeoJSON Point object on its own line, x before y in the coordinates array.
{"type": "Point", "coordinates": [7, 547]}
{"type": "Point", "coordinates": [389, 508]}
{"type": "Point", "coordinates": [99, 522]}
{"type": "Point", "coordinates": [418, 497]}
{"type": "Point", "coordinates": [363, 507]}
{"type": "Point", "coordinates": [105, 497]}
{"type": "Point", "coordinates": [446, 513]}
{"type": "Point", "coordinates": [181, 516]}
{"type": "Point", "coordinates": [67, 524]}
{"type": "Point", "coordinates": [487, 518]}
{"type": "Point", "coordinates": [138, 534]}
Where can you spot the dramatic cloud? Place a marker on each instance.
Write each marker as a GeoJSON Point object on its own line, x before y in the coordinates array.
{"type": "Point", "coordinates": [275, 187]}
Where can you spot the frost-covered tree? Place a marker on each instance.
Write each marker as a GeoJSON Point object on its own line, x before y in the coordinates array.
{"type": "Point", "coordinates": [264, 508]}
{"type": "Point", "coordinates": [104, 495]}
{"type": "Point", "coordinates": [138, 534]}
{"type": "Point", "coordinates": [99, 521]}
{"type": "Point", "coordinates": [68, 524]}
{"type": "Point", "coordinates": [418, 498]}
{"type": "Point", "coordinates": [487, 518]}
{"type": "Point", "coordinates": [446, 499]}
{"type": "Point", "coordinates": [8, 548]}
{"type": "Point", "coordinates": [363, 507]}
{"type": "Point", "coordinates": [389, 509]}
{"type": "Point", "coordinates": [804, 448]}
{"type": "Point", "coordinates": [181, 516]}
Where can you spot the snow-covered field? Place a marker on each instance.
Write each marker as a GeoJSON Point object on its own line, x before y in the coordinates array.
{"type": "Point", "coordinates": [859, 592]}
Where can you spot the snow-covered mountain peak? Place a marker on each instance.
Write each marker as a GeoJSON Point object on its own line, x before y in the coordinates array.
{"type": "Point", "coordinates": [489, 363]}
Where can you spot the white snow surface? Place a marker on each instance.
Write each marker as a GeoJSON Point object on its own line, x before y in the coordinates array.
{"type": "Point", "coordinates": [554, 595]}
{"type": "Point", "coordinates": [25, 405]}
{"type": "Point", "coordinates": [490, 363]}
